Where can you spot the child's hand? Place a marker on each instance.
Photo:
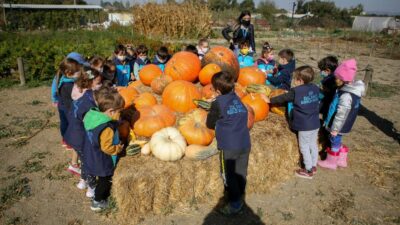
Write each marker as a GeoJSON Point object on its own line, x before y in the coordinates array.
{"type": "Point", "coordinates": [133, 78]}
{"type": "Point", "coordinates": [334, 133]}
{"type": "Point", "coordinates": [54, 104]}
{"type": "Point", "coordinates": [265, 98]}
{"type": "Point", "coordinates": [119, 147]}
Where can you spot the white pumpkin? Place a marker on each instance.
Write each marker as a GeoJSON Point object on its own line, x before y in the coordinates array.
{"type": "Point", "coordinates": [146, 149]}
{"type": "Point", "coordinates": [168, 144]}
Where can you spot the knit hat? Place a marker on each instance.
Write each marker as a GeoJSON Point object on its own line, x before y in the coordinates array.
{"type": "Point", "coordinates": [347, 70]}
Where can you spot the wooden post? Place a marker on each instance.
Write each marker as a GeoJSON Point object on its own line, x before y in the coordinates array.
{"type": "Point", "coordinates": [21, 70]}
{"type": "Point", "coordinates": [368, 78]}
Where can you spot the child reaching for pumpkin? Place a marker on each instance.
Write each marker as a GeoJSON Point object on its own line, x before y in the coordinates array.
{"type": "Point", "coordinates": [228, 116]}
{"type": "Point", "coordinates": [266, 62]}
{"type": "Point", "coordinates": [102, 142]}
{"type": "Point", "coordinates": [304, 118]}
{"type": "Point", "coordinates": [342, 113]}
{"type": "Point", "coordinates": [287, 64]}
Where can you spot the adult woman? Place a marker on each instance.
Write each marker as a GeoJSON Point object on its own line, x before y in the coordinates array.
{"type": "Point", "coordinates": [242, 30]}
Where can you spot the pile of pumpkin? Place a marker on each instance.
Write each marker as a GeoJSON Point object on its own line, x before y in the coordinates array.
{"type": "Point", "coordinates": [180, 95]}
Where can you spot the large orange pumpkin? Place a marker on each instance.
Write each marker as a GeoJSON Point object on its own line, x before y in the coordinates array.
{"type": "Point", "coordinates": [193, 128]}
{"type": "Point", "coordinates": [159, 83]}
{"type": "Point", "coordinates": [179, 95]}
{"type": "Point", "coordinates": [240, 90]}
{"type": "Point", "coordinates": [260, 107]}
{"type": "Point", "coordinates": [224, 58]}
{"type": "Point", "coordinates": [278, 109]}
{"type": "Point", "coordinates": [152, 119]}
{"type": "Point", "coordinates": [148, 73]}
{"type": "Point", "coordinates": [251, 75]}
{"type": "Point", "coordinates": [208, 72]}
{"type": "Point", "coordinates": [145, 99]}
{"type": "Point", "coordinates": [129, 94]}
{"type": "Point", "coordinates": [208, 92]}
{"type": "Point", "coordinates": [183, 66]}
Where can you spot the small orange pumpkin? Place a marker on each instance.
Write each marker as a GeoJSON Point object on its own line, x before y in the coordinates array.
{"type": "Point", "coordinates": [251, 75]}
{"type": "Point", "coordinates": [183, 66]}
{"type": "Point", "coordinates": [260, 107]}
{"type": "Point", "coordinates": [148, 73]}
{"type": "Point", "coordinates": [129, 95]}
{"type": "Point", "coordinates": [135, 84]}
{"type": "Point", "coordinates": [179, 95]}
{"type": "Point", "coordinates": [145, 99]}
{"type": "Point", "coordinates": [152, 119]}
{"type": "Point", "coordinates": [159, 83]}
{"type": "Point", "coordinates": [277, 109]}
{"type": "Point", "coordinates": [208, 72]}
{"type": "Point", "coordinates": [208, 92]}
{"type": "Point", "coordinates": [193, 128]}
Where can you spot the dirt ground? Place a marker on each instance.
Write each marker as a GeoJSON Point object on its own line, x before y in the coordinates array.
{"type": "Point", "coordinates": [36, 189]}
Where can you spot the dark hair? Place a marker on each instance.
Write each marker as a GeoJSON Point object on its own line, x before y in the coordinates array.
{"type": "Point", "coordinates": [108, 98]}
{"type": "Point", "coordinates": [85, 80]}
{"type": "Point", "coordinates": [223, 82]}
{"type": "Point", "coordinates": [286, 54]}
{"type": "Point", "coordinates": [107, 69]}
{"type": "Point", "coordinates": [67, 66]}
{"type": "Point", "coordinates": [141, 49]}
{"type": "Point", "coordinates": [107, 83]}
{"type": "Point", "coordinates": [304, 73]}
{"type": "Point", "coordinates": [162, 53]}
{"type": "Point", "coordinates": [244, 43]}
{"type": "Point", "coordinates": [96, 61]}
{"type": "Point", "coordinates": [119, 48]}
{"type": "Point", "coordinates": [329, 62]}
{"type": "Point", "coordinates": [243, 14]}
{"type": "Point", "coordinates": [192, 49]}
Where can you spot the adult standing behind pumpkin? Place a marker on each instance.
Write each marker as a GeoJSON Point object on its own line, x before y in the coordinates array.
{"type": "Point", "coordinates": [242, 30]}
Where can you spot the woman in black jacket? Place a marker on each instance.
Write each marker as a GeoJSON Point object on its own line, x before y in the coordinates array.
{"type": "Point", "coordinates": [242, 30]}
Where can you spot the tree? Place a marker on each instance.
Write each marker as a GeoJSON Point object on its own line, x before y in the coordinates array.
{"type": "Point", "coordinates": [267, 9]}
{"type": "Point", "coordinates": [247, 5]}
{"type": "Point", "coordinates": [127, 5]}
{"type": "Point", "coordinates": [218, 5]}
{"type": "Point", "coordinates": [300, 7]}
{"type": "Point", "coordinates": [234, 4]}
{"type": "Point", "coordinates": [357, 10]}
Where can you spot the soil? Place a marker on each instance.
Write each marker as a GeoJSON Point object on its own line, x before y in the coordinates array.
{"type": "Point", "coordinates": [36, 189]}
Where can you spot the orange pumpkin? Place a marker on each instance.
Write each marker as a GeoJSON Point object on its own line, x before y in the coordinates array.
{"type": "Point", "coordinates": [208, 72]}
{"type": "Point", "coordinates": [145, 99]}
{"type": "Point", "coordinates": [135, 84]}
{"type": "Point", "coordinates": [240, 90]}
{"type": "Point", "coordinates": [183, 66]}
{"type": "Point", "coordinates": [152, 119]}
{"type": "Point", "coordinates": [224, 58]}
{"type": "Point", "coordinates": [129, 94]}
{"type": "Point", "coordinates": [148, 73]}
{"type": "Point", "coordinates": [208, 92]}
{"type": "Point", "coordinates": [277, 109]}
{"type": "Point", "coordinates": [251, 75]}
{"type": "Point", "coordinates": [179, 95]}
{"type": "Point", "coordinates": [250, 116]}
{"type": "Point", "coordinates": [193, 128]}
{"type": "Point", "coordinates": [260, 107]}
{"type": "Point", "coordinates": [159, 83]}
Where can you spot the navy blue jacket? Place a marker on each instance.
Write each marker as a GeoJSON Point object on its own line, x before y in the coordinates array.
{"type": "Point", "coordinates": [64, 93]}
{"type": "Point", "coordinates": [240, 35]}
{"type": "Point", "coordinates": [284, 77]}
{"type": "Point", "coordinates": [75, 134]}
{"type": "Point", "coordinates": [228, 116]}
{"type": "Point", "coordinates": [328, 92]}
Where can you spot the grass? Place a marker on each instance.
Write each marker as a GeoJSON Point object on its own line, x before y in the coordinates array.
{"type": "Point", "coordinates": [5, 132]}
{"type": "Point", "coordinates": [379, 90]}
{"type": "Point", "coordinates": [35, 102]}
{"type": "Point", "coordinates": [57, 172]}
{"type": "Point", "coordinates": [14, 192]}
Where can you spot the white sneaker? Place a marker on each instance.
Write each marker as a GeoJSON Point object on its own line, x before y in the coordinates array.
{"type": "Point", "coordinates": [90, 192]}
{"type": "Point", "coordinates": [74, 169]}
{"type": "Point", "coordinates": [82, 184]}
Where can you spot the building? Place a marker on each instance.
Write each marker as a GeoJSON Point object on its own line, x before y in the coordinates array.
{"type": "Point", "coordinates": [376, 24]}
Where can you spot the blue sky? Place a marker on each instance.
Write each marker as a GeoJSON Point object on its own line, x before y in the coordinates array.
{"type": "Point", "coordinates": [392, 6]}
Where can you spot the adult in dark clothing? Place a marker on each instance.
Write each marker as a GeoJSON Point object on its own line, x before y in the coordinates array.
{"type": "Point", "coordinates": [242, 30]}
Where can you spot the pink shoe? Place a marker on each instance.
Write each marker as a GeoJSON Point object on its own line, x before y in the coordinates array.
{"type": "Point", "coordinates": [331, 160]}
{"type": "Point", "coordinates": [342, 160]}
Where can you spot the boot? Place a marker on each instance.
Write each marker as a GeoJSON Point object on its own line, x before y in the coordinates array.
{"type": "Point", "coordinates": [331, 160]}
{"type": "Point", "coordinates": [342, 160]}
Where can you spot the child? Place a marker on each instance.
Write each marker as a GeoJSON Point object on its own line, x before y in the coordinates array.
{"type": "Point", "coordinates": [342, 113]}
{"type": "Point", "coordinates": [131, 55]}
{"type": "Point", "coordinates": [83, 101]}
{"type": "Point", "coordinates": [266, 62]}
{"type": "Point", "coordinates": [228, 116]}
{"type": "Point", "coordinates": [287, 64]}
{"type": "Point", "coordinates": [97, 63]}
{"type": "Point", "coordinates": [123, 66]}
{"type": "Point", "coordinates": [202, 48]}
{"type": "Point", "coordinates": [102, 142]}
{"type": "Point", "coordinates": [141, 61]}
{"type": "Point", "coordinates": [305, 117]}
{"type": "Point", "coordinates": [192, 49]}
{"type": "Point", "coordinates": [161, 58]}
{"type": "Point", "coordinates": [61, 88]}
{"type": "Point", "coordinates": [327, 66]}
{"type": "Point", "coordinates": [109, 70]}
{"type": "Point", "coordinates": [244, 58]}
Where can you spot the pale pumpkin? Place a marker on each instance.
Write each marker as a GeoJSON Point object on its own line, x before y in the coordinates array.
{"type": "Point", "coordinates": [152, 119]}
{"type": "Point", "coordinates": [183, 66]}
{"type": "Point", "coordinates": [148, 73]}
{"type": "Point", "coordinates": [145, 150]}
{"type": "Point", "coordinates": [208, 72]}
{"type": "Point", "coordinates": [168, 144]}
{"type": "Point", "coordinates": [145, 99]}
{"type": "Point", "coordinates": [159, 83]}
{"type": "Point", "coordinates": [179, 96]}
{"type": "Point", "coordinates": [193, 127]}
{"type": "Point", "coordinates": [201, 152]}
{"type": "Point", "coordinates": [260, 107]}
{"type": "Point", "coordinates": [251, 75]}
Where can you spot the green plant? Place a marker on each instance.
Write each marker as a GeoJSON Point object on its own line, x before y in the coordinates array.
{"type": "Point", "coordinates": [14, 192]}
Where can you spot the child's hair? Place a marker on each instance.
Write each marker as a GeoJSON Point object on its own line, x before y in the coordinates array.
{"type": "Point", "coordinates": [66, 67]}
{"type": "Point", "coordinates": [96, 61]}
{"type": "Point", "coordinates": [162, 53]}
{"type": "Point", "coordinates": [223, 82]}
{"type": "Point", "coordinates": [304, 73]}
{"type": "Point", "coordinates": [142, 49]}
{"type": "Point", "coordinates": [266, 48]}
{"type": "Point", "coordinates": [286, 54]}
{"type": "Point", "coordinates": [107, 83]}
{"type": "Point", "coordinates": [119, 48]}
{"type": "Point", "coordinates": [203, 40]}
{"type": "Point", "coordinates": [192, 49]}
{"type": "Point", "coordinates": [86, 78]}
{"type": "Point", "coordinates": [108, 98]}
{"type": "Point", "coordinates": [329, 62]}
{"type": "Point", "coordinates": [244, 43]}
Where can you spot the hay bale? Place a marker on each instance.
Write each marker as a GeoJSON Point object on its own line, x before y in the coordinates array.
{"type": "Point", "coordinates": [144, 185]}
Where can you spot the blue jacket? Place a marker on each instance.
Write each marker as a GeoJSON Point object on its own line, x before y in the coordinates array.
{"type": "Point", "coordinates": [229, 116]}
{"type": "Point", "coordinates": [55, 86]}
{"type": "Point", "coordinates": [305, 113]}
{"type": "Point", "coordinates": [123, 72]}
{"type": "Point", "coordinates": [157, 62]}
{"type": "Point", "coordinates": [284, 76]}
{"type": "Point", "coordinates": [245, 60]}
{"type": "Point", "coordinates": [327, 93]}
{"type": "Point", "coordinates": [264, 66]}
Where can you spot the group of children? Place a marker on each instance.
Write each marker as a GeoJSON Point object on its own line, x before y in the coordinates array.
{"type": "Point", "coordinates": [89, 108]}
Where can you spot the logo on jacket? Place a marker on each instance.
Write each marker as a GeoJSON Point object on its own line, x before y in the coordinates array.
{"type": "Point", "coordinates": [310, 98]}
{"type": "Point", "coordinates": [235, 107]}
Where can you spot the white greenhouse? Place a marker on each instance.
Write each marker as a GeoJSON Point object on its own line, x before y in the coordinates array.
{"type": "Point", "coordinates": [376, 24]}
